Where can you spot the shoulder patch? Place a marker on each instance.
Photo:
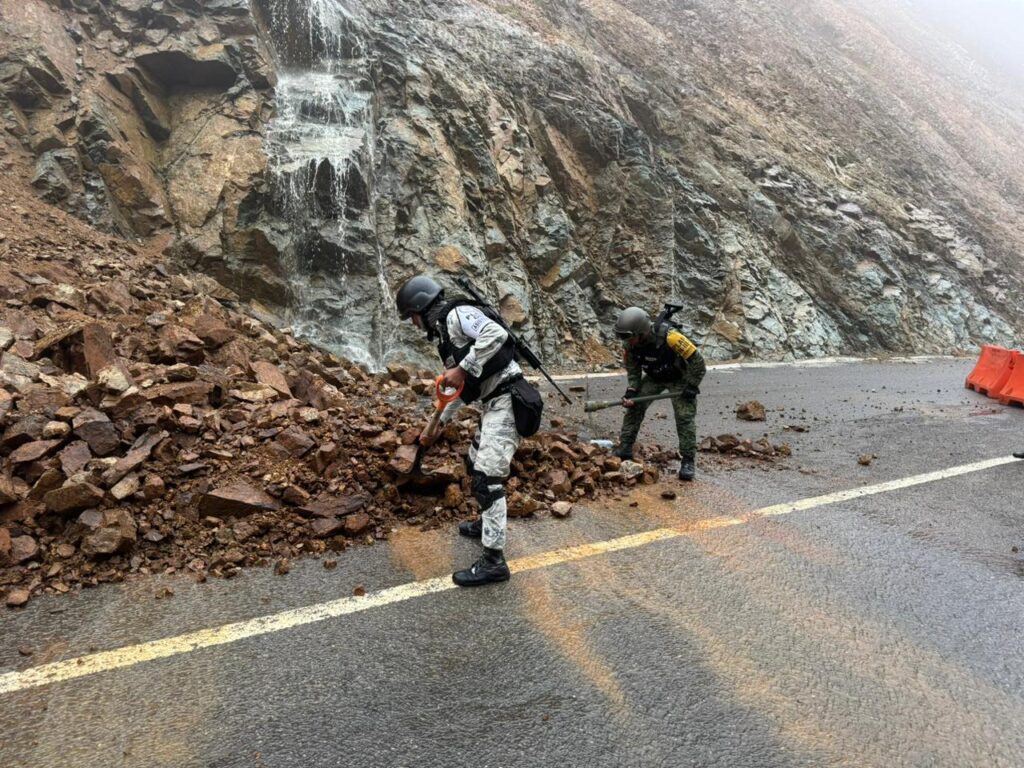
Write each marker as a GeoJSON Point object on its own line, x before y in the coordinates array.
{"type": "Point", "coordinates": [681, 345]}
{"type": "Point", "coordinates": [471, 320]}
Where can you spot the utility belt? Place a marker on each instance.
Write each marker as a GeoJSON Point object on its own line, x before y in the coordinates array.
{"type": "Point", "coordinates": [663, 374]}
{"type": "Point", "coordinates": [527, 404]}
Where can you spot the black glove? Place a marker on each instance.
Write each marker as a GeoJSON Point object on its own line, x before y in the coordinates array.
{"type": "Point", "coordinates": [690, 392]}
{"type": "Point", "coordinates": [630, 393]}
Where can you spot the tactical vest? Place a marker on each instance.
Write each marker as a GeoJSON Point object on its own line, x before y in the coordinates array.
{"type": "Point", "coordinates": [657, 359]}
{"type": "Point", "coordinates": [452, 355]}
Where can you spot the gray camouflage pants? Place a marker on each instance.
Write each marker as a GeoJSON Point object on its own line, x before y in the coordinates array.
{"type": "Point", "coordinates": [490, 455]}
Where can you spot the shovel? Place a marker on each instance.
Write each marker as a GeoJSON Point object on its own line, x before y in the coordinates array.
{"type": "Point", "coordinates": [601, 405]}
{"type": "Point", "coordinates": [409, 472]}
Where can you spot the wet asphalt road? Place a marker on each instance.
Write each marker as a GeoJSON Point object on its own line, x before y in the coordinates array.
{"type": "Point", "coordinates": [882, 631]}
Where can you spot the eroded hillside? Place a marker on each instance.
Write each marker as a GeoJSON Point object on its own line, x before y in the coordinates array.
{"type": "Point", "coordinates": [810, 178]}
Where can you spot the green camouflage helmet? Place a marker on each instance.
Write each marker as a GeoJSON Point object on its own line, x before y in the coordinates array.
{"type": "Point", "coordinates": [632, 322]}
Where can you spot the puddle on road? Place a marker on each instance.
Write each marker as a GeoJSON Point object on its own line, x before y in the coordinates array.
{"type": "Point", "coordinates": [695, 503]}
{"type": "Point", "coordinates": [425, 554]}
{"type": "Point", "coordinates": [553, 616]}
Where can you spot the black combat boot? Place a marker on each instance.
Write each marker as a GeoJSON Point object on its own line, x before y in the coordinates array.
{"type": "Point", "coordinates": [472, 530]}
{"type": "Point", "coordinates": [624, 452]}
{"type": "Point", "coordinates": [1019, 455]}
{"type": "Point", "coordinates": [686, 470]}
{"type": "Point", "coordinates": [490, 568]}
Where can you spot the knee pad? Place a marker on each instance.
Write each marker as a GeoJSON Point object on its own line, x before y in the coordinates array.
{"type": "Point", "coordinates": [481, 487]}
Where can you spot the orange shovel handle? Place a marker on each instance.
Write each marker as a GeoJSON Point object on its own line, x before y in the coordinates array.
{"type": "Point", "coordinates": [442, 398]}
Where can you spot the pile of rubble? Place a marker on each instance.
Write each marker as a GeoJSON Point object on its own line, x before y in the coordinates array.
{"type": "Point", "coordinates": [149, 425]}
{"type": "Point", "coordinates": [733, 445]}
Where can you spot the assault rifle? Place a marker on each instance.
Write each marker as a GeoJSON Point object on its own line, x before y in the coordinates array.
{"type": "Point", "coordinates": [523, 352]}
{"type": "Point", "coordinates": [666, 314]}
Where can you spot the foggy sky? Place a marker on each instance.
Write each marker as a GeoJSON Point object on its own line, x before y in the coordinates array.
{"type": "Point", "coordinates": [992, 31]}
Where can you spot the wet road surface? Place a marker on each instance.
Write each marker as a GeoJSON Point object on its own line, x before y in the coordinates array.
{"type": "Point", "coordinates": [883, 630]}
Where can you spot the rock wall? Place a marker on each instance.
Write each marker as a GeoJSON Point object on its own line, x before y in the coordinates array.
{"type": "Point", "coordinates": [809, 179]}
{"type": "Point", "coordinates": [146, 118]}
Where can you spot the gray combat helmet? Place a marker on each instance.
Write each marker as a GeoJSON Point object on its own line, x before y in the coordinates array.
{"type": "Point", "coordinates": [417, 295]}
{"type": "Point", "coordinates": [632, 322]}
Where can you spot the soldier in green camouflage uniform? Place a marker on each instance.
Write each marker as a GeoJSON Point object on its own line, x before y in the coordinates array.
{"type": "Point", "coordinates": [659, 358]}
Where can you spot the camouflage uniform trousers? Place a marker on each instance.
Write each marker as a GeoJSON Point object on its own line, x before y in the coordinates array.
{"type": "Point", "coordinates": [490, 459]}
{"type": "Point", "coordinates": [685, 412]}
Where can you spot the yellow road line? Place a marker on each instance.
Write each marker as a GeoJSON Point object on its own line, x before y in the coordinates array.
{"type": "Point", "coordinates": [129, 656]}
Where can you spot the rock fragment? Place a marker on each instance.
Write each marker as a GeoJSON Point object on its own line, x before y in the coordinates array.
{"type": "Point", "coordinates": [356, 523]}
{"type": "Point", "coordinates": [74, 457]}
{"type": "Point", "coordinates": [126, 487]}
{"type": "Point", "coordinates": [136, 456]}
{"type": "Point", "coordinates": [404, 459]}
{"type": "Point", "coordinates": [33, 451]}
{"type": "Point", "coordinates": [237, 499]}
{"type": "Point", "coordinates": [96, 429]}
{"type": "Point", "coordinates": [73, 497]}
{"type": "Point", "coordinates": [561, 509]}
{"type": "Point", "coordinates": [325, 527]}
{"type": "Point", "coordinates": [8, 493]}
{"type": "Point", "coordinates": [102, 361]}
{"type": "Point", "coordinates": [271, 376]}
{"type": "Point", "coordinates": [295, 441]}
{"type": "Point", "coordinates": [751, 411]}
{"type": "Point", "coordinates": [23, 549]}
{"type": "Point", "coordinates": [117, 534]}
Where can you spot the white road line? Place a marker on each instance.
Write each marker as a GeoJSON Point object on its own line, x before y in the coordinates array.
{"type": "Point", "coordinates": [129, 656]}
{"type": "Point", "coordinates": [872, 490]}
{"type": "Point", "coordinates": [815, 362]}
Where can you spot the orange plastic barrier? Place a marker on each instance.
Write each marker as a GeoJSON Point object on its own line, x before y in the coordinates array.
{"type": "Point", "coordinates": [991, 371]}
{"type": "Point", "coordinates": [1012, 390]}
{"type": "Point", "coordinates": [996, 385]}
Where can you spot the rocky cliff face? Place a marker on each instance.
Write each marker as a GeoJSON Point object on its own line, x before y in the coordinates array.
{"type": "Point", "coordinates": [808, 178]}
{"type": "Point", "coordinates": [147, 119]}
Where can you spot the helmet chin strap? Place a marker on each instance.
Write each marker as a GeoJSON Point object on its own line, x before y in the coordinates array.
{"type": "Point", "coordinates": [429, 322]}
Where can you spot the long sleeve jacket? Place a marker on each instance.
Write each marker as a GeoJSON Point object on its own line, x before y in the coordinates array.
{"type": "Point", "coordinates": [468, 325]}
{"type": "Point", "coordinates": [677, 356]}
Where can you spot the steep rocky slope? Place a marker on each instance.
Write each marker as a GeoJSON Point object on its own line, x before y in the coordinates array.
{"type": "Point", "coordinates": [809, 178]}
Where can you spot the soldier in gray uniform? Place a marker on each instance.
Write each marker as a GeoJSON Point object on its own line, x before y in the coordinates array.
{"type": "Point", "coordinates": [477, 354]}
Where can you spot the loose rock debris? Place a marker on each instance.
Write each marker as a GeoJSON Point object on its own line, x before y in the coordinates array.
{"type": "Point", "coordinates": [762, 448]}
{"type": "Point", "coordinates": [149, 425]}
{"type": "Point", "coordinates": [751, 411]}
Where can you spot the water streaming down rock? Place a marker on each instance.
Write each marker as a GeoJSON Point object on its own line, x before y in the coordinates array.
{"type": "Point", "coordinates": [321, 149]}
{"type": "Point", "coordinates": [550, 151]}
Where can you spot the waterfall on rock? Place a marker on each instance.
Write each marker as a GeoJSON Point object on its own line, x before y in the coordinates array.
{"type": "Point", "coordinates": [321, 149]}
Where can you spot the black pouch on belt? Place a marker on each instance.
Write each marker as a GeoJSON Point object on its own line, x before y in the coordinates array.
{"type": "Point", "coordinates": [527, 404]}
{"type": "Point", "coordinates": [527, 407]}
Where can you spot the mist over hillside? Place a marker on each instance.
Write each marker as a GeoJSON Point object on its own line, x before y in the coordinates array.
{"type": "Point", "coordinates": [990, 30]}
